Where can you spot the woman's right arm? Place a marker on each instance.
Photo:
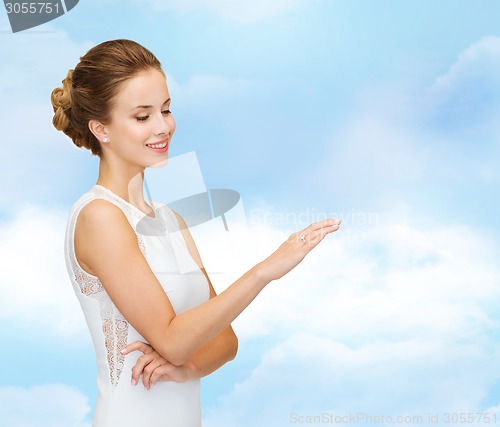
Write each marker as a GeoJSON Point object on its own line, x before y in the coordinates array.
{"type": "Point", "coordinates": [106, 243]}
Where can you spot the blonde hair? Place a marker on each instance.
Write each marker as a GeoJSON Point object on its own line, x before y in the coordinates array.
{"type": "Point", "coordinates": [87, 92]}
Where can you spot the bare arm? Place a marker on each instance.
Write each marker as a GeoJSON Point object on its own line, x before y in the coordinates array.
{"type": "Point", "coordinates": [224, 346]}
{"type": "Point", "coordinates": [211, 356]}
{"type": "Point", "coordinates": [207, 359]}
{"type": "Point", "coordinates": [107, 245]}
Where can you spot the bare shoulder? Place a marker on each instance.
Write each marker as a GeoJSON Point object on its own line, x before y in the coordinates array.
{"type": "Point", "coordinates": [101, 224]}
{"type": "Point", "coordinates": [100, 214]}
{"type": "Point", "coordinates": [100, 210]}
{"type": "Point", "coordinates": [101, 218]}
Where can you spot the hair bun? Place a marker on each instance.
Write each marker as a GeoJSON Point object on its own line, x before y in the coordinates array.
{"type": "Point", "coordinates": [61, 103]}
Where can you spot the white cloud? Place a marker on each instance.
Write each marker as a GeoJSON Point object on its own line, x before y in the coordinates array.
{"type": "Point", "coordinates": [35, 290]}
{"type": "Point", "coordinates": [422, 152]}
{"type": "Point", "coordinates": [54, 405]}
{"type": "Point", "coordinates": [467, 96]}
{"type": "Point", "coordinates": [311, 375]}
{"type": "Point", "coordinates": [404, 322]}
{"type": "Point", "coordinates": [237, 11]}
{"type": "Point", "coordinates": [480, 63]}
{"type": "Point", "coordinates": [493, 410]}
{"type": "Point", "coordinates": [397, 281]}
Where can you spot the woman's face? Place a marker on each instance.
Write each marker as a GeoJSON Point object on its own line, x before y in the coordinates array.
{"type": "Point", "coordinates": [141, 123]}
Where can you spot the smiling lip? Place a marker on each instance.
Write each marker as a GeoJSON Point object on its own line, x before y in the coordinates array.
{"type": "Point", "coordinates": [162, 149]}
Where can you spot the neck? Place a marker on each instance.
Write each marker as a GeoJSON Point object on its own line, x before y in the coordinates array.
{"type": "Point", "coordinates": [126, 182]}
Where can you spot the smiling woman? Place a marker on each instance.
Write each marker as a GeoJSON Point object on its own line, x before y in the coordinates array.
{"type": "Point", "coordinates": [147, 298]}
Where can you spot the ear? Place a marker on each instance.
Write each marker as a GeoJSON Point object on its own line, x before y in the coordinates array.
{"type": "Point", "coordinates": [98, 129]}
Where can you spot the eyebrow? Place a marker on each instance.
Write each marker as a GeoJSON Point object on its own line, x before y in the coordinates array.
{"type": "Point", "coordinates": [149, 106]}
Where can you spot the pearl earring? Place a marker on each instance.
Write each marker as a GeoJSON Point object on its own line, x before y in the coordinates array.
{"type": "Point", "coordinates": [105, 139]}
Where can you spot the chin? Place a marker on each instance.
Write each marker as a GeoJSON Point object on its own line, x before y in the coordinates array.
{"type": "Point", "coordinates": [160, 164]}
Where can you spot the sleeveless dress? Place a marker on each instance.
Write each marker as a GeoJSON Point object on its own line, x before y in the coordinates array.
{"type": "Point", "coordinates": [119, 404]}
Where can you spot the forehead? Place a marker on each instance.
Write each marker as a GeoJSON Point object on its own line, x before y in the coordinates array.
{"type": "Point", "coordinates": [145, 88]}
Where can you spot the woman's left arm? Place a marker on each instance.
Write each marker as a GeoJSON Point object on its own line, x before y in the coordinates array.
{"type": "Point", "coordinates": [222, 348]}
{"type": "Point", "coordinates": [206, 360]}
{"type": "Point", "coordinates": [215, 353]}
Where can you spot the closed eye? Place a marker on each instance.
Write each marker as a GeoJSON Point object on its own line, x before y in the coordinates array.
{"type": "Point", "coordinates": [144, 118]}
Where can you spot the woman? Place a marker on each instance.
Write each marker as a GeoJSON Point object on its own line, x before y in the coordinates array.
{"type": "Point", "coordinates": [143, 313]}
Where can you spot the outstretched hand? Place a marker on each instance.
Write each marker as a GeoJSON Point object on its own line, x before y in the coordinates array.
{"type": "Point", "coordinates": [296, 247]}
{"type": "Point", "coordinates": [154, 368]}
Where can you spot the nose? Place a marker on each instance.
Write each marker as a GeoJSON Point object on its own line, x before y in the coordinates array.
{"type": "Point", "coordinates": [163, 125]}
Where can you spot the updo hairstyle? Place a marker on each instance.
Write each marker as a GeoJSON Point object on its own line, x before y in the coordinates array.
{"type": "Point", "coordinates": [87, 92]}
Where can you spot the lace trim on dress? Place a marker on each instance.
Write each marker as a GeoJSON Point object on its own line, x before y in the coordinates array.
{"type": "Point", "coordinates": [114, 325]}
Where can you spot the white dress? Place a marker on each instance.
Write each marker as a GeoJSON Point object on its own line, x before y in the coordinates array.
{"type": "Point", "coordinates": [119, 404]}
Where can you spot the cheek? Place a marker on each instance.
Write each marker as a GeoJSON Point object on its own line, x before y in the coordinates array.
{"type": "Point", "coordinates": [138, 132]}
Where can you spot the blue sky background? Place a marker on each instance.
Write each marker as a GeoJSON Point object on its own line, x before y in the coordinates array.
{"type": "Point", "coordinates": [384, 113]}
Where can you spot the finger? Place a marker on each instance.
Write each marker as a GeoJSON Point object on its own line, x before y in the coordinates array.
{"type": "Point", "coordinates": [137, 345]}
{"type": "Point", "coordinates": [315, 226]}
{"type": "Point", "coordinates": [321, 224]}
{"type": "Point", "coordinates": [317, 236]}
{"type": "Point", "coordinates": [139, 366]}
{"type": "Point", "coordinates": [306, 237]}
{"type": "Point", "coordinates": [149, 371]}
{"type": "Point", "coordinates": [162, 373]}
{"type": "Point", "coordinates": [323, 231]}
